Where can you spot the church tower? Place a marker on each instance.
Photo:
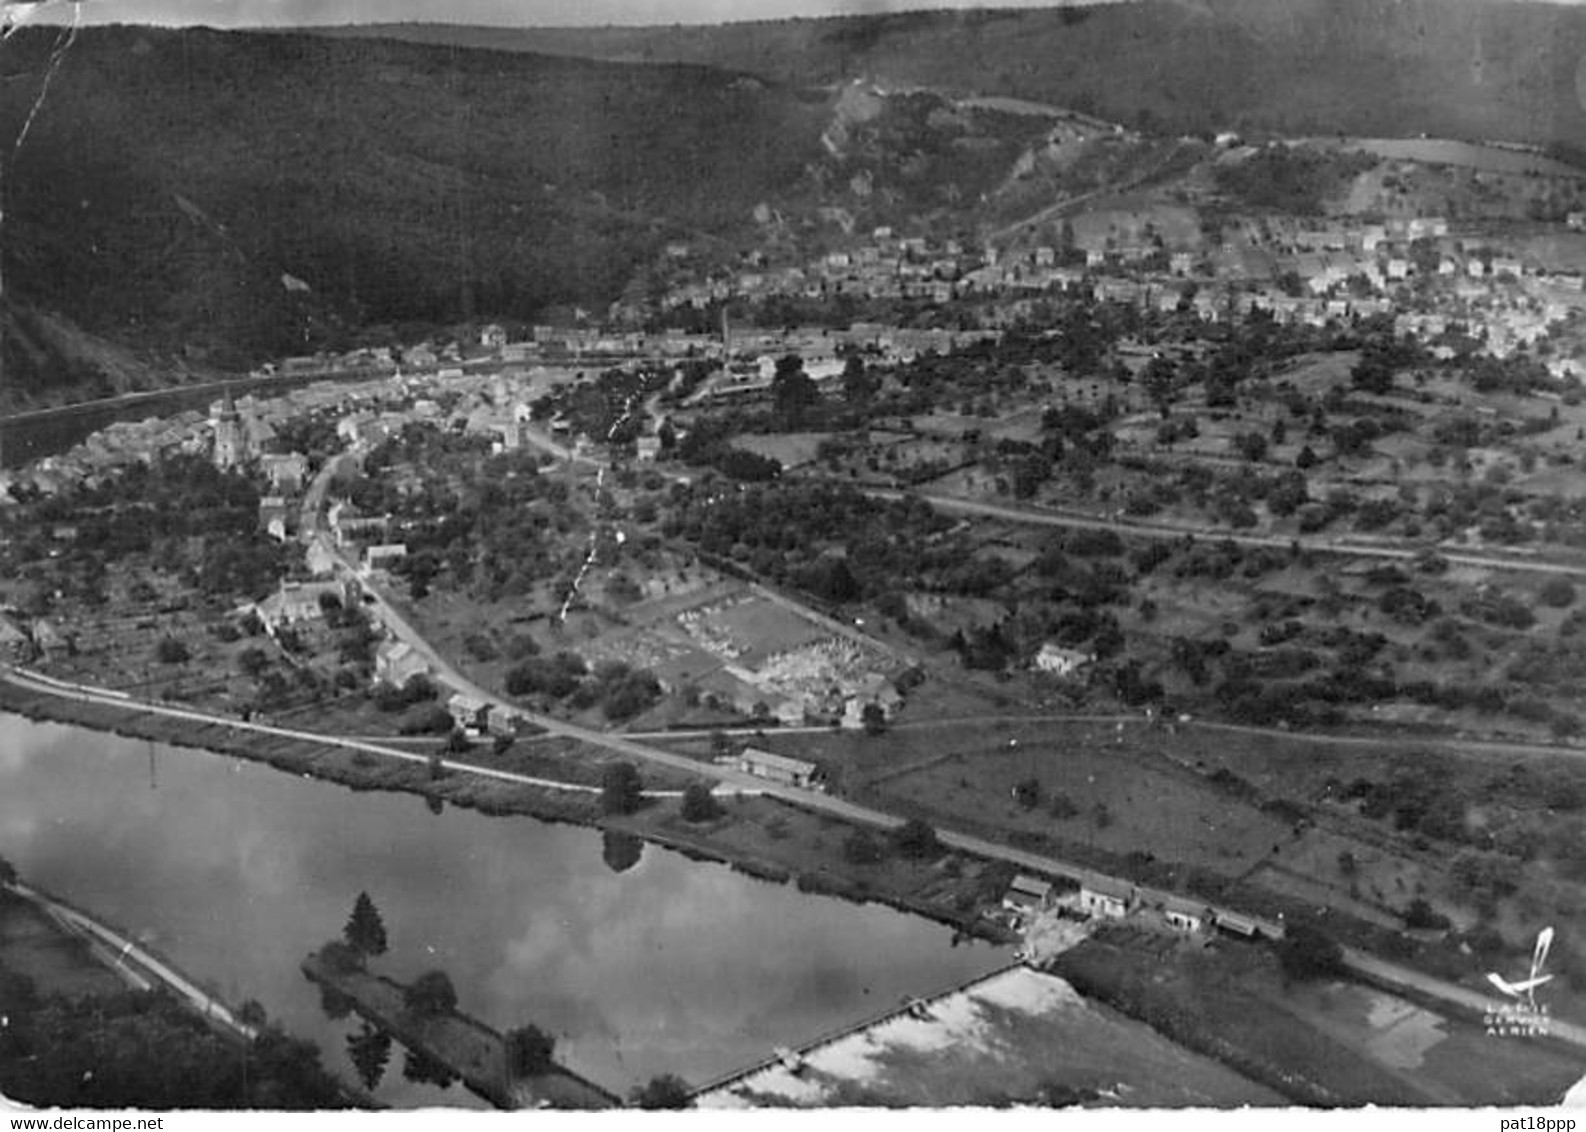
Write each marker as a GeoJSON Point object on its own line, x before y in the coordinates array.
{"type": "Point", "coordinates": [228, 434]}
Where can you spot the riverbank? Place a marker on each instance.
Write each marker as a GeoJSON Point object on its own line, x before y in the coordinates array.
{"type": "Point", "coordinates": [83, 1034]}
{"type": "Point", "coordinates": [759, 836]}
{"type": "Point", "coordinates": [38, 949]}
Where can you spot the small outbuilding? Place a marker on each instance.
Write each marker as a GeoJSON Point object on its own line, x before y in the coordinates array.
{"type": "Point", "coordinates": [1027, 895]}
{"type": "Point", "coordinates": [778, 768]}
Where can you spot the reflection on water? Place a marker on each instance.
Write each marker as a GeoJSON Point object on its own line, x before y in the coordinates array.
{"type": "Point", "coordinates": [620, 851]}
{"type": "Point", "coordinates": [369, 1050]}
{"type": "Point", "coordinates": [637, 962]}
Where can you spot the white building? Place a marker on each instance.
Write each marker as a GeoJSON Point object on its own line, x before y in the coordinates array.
{"type": "Point", "coordinates": [1058, 661]}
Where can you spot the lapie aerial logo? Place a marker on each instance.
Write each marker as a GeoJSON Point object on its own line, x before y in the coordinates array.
{"type": "Point", "coordinates": [1522, 1015]}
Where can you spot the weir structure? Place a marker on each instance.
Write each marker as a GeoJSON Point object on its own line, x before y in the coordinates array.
{"type": "Point", "coordinates": [915, 1007]}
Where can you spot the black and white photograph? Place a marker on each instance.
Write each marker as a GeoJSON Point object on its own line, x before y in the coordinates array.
{"type": "Point", "coordinates": [929, 557]}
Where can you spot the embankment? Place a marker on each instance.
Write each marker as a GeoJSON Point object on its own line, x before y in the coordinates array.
{"type": "Point", "coordinates": [466, 1046]}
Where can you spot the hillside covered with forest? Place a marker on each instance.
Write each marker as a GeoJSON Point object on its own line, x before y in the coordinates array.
{"type": "Point", "coordinates": [1456, 68]}
{"type": "Point", "coordinates": [217, 198]}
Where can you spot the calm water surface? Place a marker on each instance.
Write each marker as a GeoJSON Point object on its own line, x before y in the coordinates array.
{"type": "Point", "coordinates": [236, 871]}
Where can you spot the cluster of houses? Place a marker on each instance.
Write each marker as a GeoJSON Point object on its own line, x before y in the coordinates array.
{"type": "Point", "coordinates": [1102, 898]}
{"type": "Point", "coordinates": [1306, 273]}
{"type": "Point", "coordinates": [884, 267]}
{"type": "Point", "coordinates": [397, 662]}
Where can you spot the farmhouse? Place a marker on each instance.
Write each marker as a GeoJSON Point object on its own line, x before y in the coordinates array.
{"type": "Point", "coordinates": [348, 525]}
{"type": "Point", "coordinates": [396, 662]}
{"type": "Point", "coordinates": [871, 688]}
{"type": "Point", "coordinates": [1184, 916]}
{"type": "Point", "coordinates": [295, 602]}
{"type": "Point", "coordinates": [469, 712]}
{"type": "Point", "coordinates": [274, 516]}
{"type": "Point", "coordinates": [778, 768]}
{"type": "Point", "coordinates": [285, 473]}
{"type": "Point", "coordinates": [1027, 895]}
{"type": "Point", "coordinates": [506, 721]}
{"type": "Point", "coordinates": [15, 644]}
{"type": "Point", "coordinates": [381, 557]}
{"type": "Point", "coordinates": [1107, 899]}
{"type": "Point", "coordinates": [49, 639]}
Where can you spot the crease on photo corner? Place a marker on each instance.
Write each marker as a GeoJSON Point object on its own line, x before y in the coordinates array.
{"type": "Point", "coordinates": [14, 17]}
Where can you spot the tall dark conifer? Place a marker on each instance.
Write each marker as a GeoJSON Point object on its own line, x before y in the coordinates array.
{"type": "Point", "coordinates": [365, 930]}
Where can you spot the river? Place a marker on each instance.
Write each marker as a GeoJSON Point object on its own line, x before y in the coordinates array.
{"type": "Point", "coordinates": [235, 871]}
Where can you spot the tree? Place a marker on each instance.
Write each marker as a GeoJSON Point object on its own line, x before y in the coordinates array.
{"type": "Point", "coordinates": [431, 994]}
{"type": "Point", "coordinates": [1558, 592]}
{"type": "Point", "coordinates": [915, 838]}
{"type": "Point", "coordinates": [1252, 446]}
{"type": "Point", "coordinates": [172, 651]}
{"type": "Point", "coordinates": [792, 391]}
{"type": "Point", "coordinates": [252, 661]}
{"type": "Point", "coordinates": [621, 789]}
{"type": "Point", "coordinates": [8, 872]}
{"type": "Point", "coordinates": [1307, 952]}
{"type": "Point", "coordinates": [425, 719]}
{"type": "Point", "coordinates": [862, 848]}
{"type": "Point", "coordinates": [1421, 914]}
{"type": "Point", "coordinates": [1027, 793]}
{"type": "Point", "coordinates": [420, 1068]}
{"type": "Point", "coordinates": [340, 958]}
{"type": "Point", "coordinates": [874, 718]}
{"type": "Point", "coordinates": [1306, 459]}
{"type": "Point", "coordinates": [663, 1092]}
{"type": "Point", "coordinates": [1372, 374]}
{"type": "Point", "coordinates": [365, 930]}
{"type": "Point", "coordinates": [699, 804]}
{"type": "Point", "coordinates": [529, 1051]}
{"type": "Point", "coordinates": [1160, 379]}
{"type": "Point", "coordinates": [859, 385]}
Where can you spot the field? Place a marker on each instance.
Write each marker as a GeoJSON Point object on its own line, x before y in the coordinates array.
{"type": "Point", "coordinates": [1454, 1061]}
{"type": "Point", "coordinates": [790, 449]}
{"type": "Point", "coordinates": [750, 629]}
{"type": "Point", "coordinates": [1092, 792]}
{"type": "Point", "coordinates": [1321, 1043]}
{"type": "Point", "coordinates": [1102, 788]}
{"type": "Point", "coordinates": [1486, 158]}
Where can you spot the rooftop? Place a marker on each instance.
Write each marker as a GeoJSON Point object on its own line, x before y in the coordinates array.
{"type": "Point", "coordinates": [778, 762]}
